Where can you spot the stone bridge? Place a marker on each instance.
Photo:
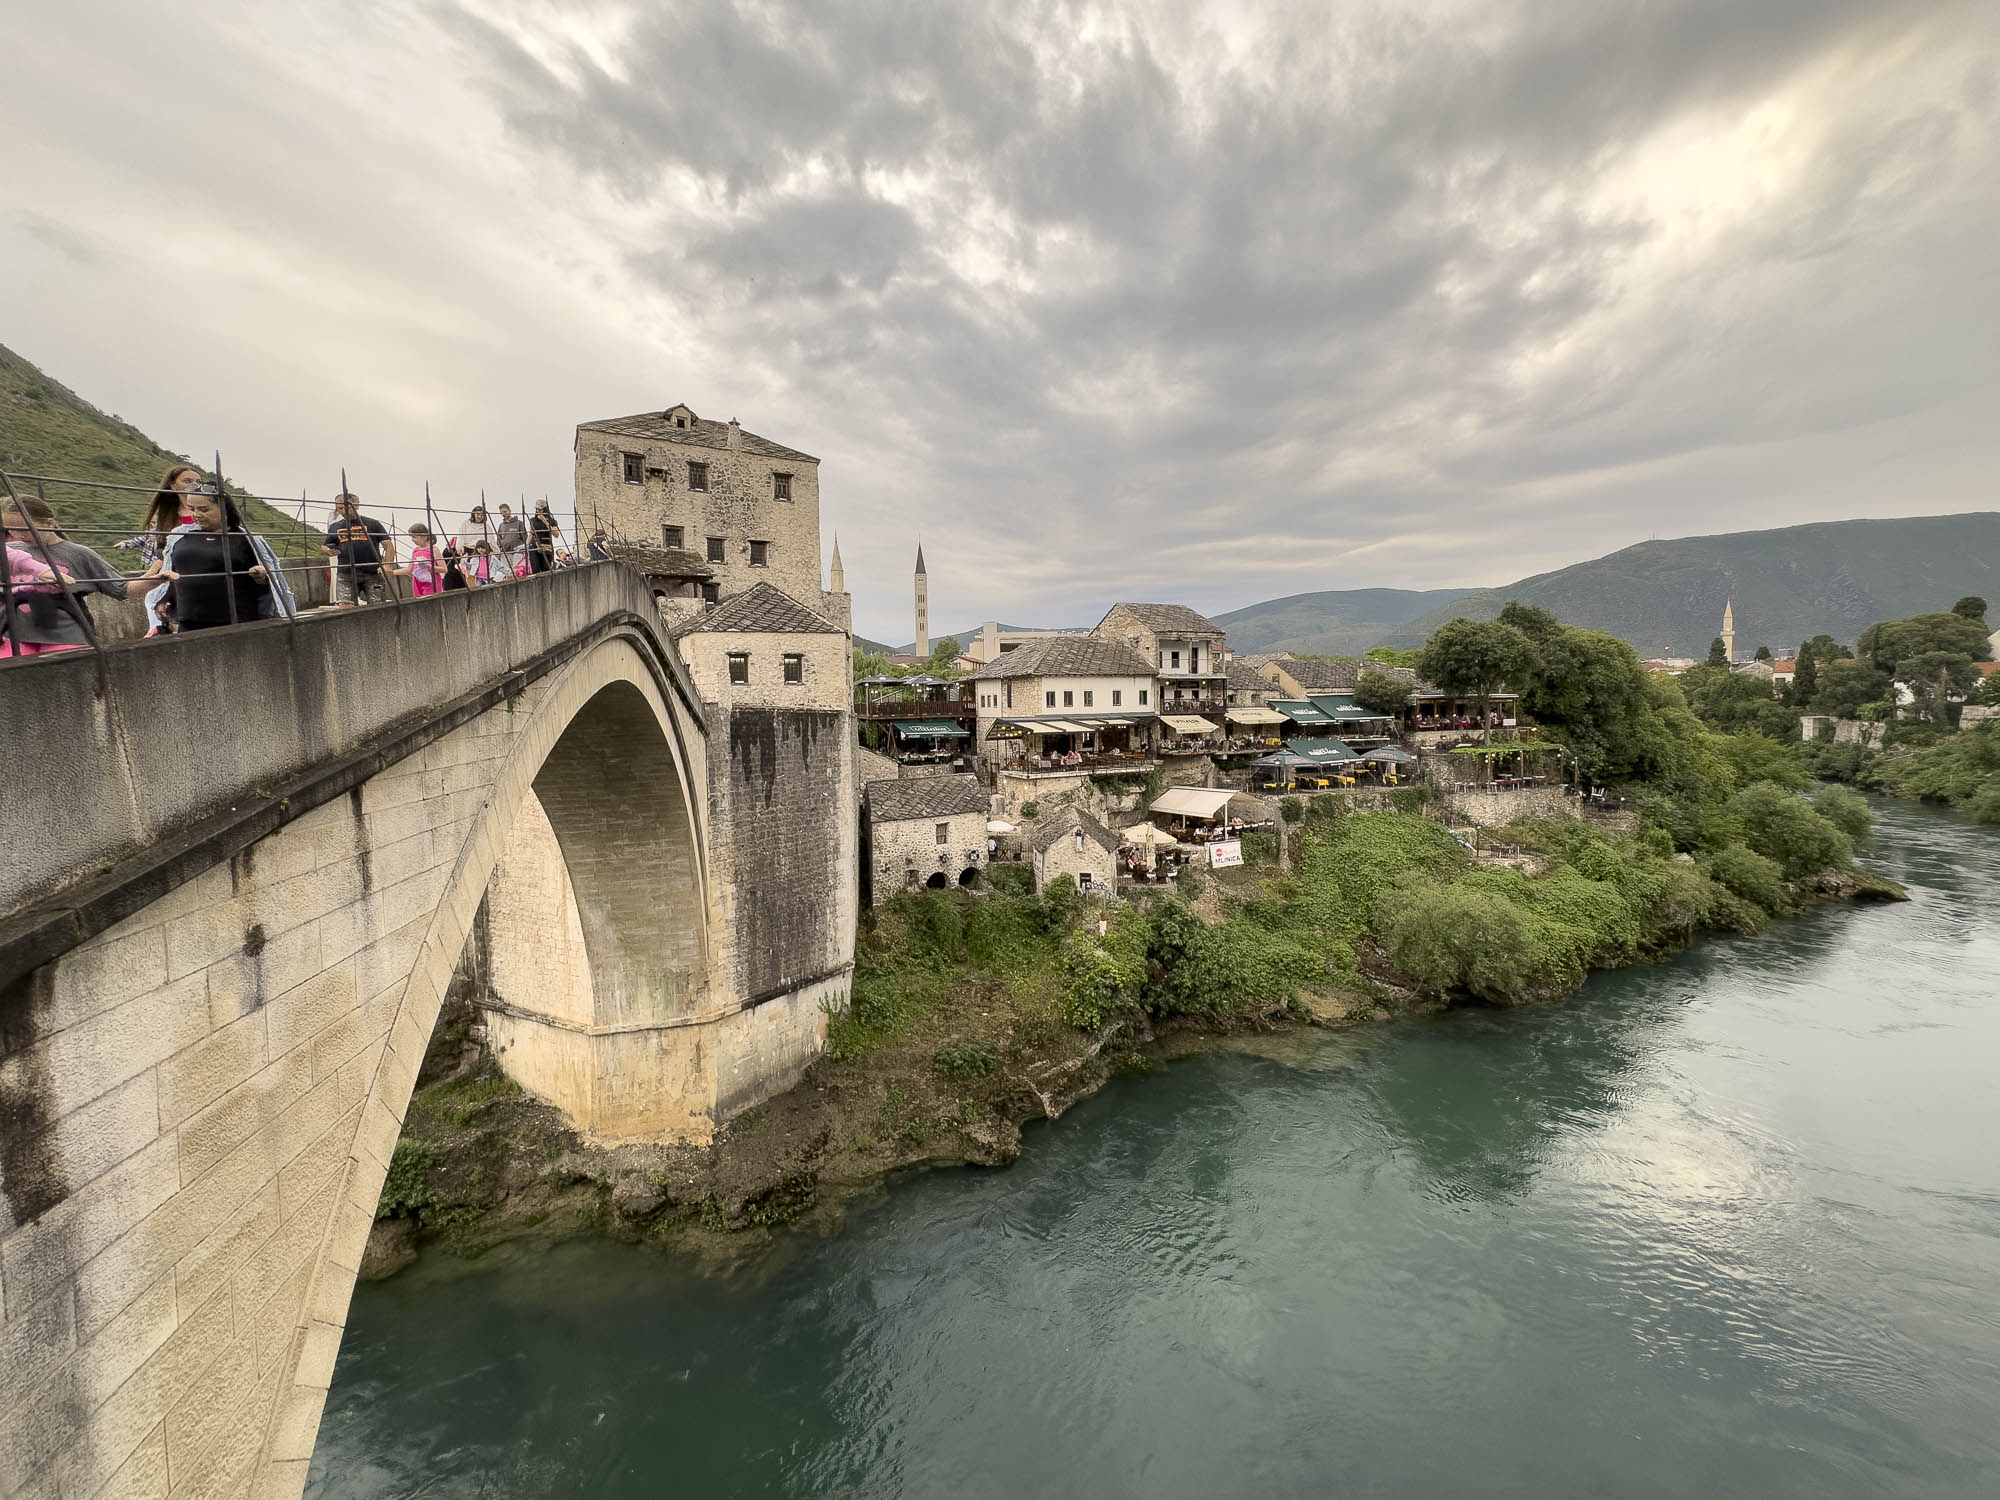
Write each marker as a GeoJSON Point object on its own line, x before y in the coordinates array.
{"type": "Point", "coordinates": [242, 866]}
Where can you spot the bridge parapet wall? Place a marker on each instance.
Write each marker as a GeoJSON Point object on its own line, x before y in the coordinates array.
{"type": "Point", "coordinates": [197, 744]}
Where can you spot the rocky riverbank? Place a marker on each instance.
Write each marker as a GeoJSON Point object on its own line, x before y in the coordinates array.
{"type": "Point", "coordinates": [975, 1016]}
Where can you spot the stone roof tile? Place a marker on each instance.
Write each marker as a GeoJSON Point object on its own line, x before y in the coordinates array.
{"type": "Point", "coordinates": [1065, 823]}
{"type": "Point", "coordinates": [926, 797]}
{"type": "Point", "coordinates": [1174, 619]}
{"type": "Point", "coordinates": [1067, 656]}
{"type": "Point", "coordinates": [760, 610]}
{"type": "Point", "coordinates": [700, 432]}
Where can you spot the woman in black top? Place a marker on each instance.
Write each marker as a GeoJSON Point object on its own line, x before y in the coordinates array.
{"type": "Point", "coordinates": [203, 582]}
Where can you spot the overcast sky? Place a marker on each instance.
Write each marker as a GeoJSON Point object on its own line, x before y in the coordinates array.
{"type": "Point", "coordinates": [1109, 301]}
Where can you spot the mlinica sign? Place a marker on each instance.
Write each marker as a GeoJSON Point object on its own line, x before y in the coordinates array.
{"type": "Point", "coordinates": [1228, 852]}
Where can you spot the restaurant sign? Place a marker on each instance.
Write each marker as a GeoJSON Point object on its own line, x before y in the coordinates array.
{"type": "Point", "coordinates": [1226, 853]}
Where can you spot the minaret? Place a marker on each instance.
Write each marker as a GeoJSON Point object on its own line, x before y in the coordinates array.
{"type": "Point", "coordinates": [1729, 628]}
{"type": "Point", "coordinates": [923, 605]}
{"type": "Point", "coordinates": [836, 576]}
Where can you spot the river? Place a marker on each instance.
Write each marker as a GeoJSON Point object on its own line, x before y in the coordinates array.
{"type": "Point", "coordinates": [1725, 1226]}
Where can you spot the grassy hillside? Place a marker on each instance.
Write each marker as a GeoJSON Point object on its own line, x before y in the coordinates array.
{"type": "Point", "coordinates": [46, 428]}
{"type": "Point", "coordinates": [1339, 622]}
{"type": "Point", "coordinates": [1666, 597]}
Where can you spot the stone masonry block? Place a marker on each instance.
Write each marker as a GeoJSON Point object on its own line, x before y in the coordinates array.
{"type": "Point", "coordinates": [307, 1182]}
{"type": "Point", "coordinates": [89, 1141]}
{"type": "Point", "coordinates": [248, 1109]}
{"type": "Point", "coordinates": [35, 1431]}
{"type": "Point", "coordinates": [203, 1073]}
{"type": "Point", "coordinates": [34, 1345]}
{"type": "Point", "coordinates": [213, 1404]}
{"type": "Point", "coordinates": [134, 1413]}
{"type": "Point", "coordinates": [296, 1424]}
{"type": "Point", "coordinates": [143, 1476]}
{"type": "Point", "coordinates": [117, 1351]}
{"type": "Point", "coordinates": [295, 1016]}
{"type": "Point", "coordinates": [211, 1265]}
{"type": "Point", "coordinates": [93, 1057]}
{"type": "Point", "coordinates": [243, 981]}
{"type": "Point", "coordinates": [316, 1356]}
{"type": "Point", "coordinates": [91, 980]}
{"type": "Point", "coordinates": [282, 1479]}
{"type": "Point", "coordinates": [38, 1258]}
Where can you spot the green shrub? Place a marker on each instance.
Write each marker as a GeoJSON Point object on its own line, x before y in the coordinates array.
{"type": "Point", "coordinates": [1848, 812]}
{"type": "Point", "coordinates": [1785, 828]}
{"type": "Point", "coordinates": [1011, 879]}
{"type": "Point", "coordinates": [406, 1190]}
{"type": "Point", "coordinates": [1464, 938]}
{"type": "Point", "coordinates": [1291, 809]}
{"type": "Point", "coordinates": [1061, 904]}
{"type": "Point", "coordinates": [1329, 807]}
{"type": "Point", "coordinates": [1749, 875]}
{"type": "Point", "coordinates": [1984, 806]}
{"type": "Point", "coordinates": [969, 1059]}
{"type": "Point", "coordinates": [1102, 976]}
{"type": "Point", "coordinates": [1030, 809]}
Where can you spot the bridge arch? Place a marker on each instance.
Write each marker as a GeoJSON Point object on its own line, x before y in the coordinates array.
{"type": "Point", "coordinates": [202, 1099]}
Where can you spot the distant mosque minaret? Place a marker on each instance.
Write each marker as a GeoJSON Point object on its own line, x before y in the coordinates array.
{"type": "Point", "coordinates": [836, 576]}
{"type": "Point", "coordinates": [923, 647]}
{"type": "Point", "coordinates": [1729, 628]}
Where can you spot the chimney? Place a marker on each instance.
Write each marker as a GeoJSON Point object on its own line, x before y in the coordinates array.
{"type": "Point", "coordinates": [735, 433]}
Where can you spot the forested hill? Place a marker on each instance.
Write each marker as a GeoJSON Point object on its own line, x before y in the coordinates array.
{"type": "Point", "coordinates": [1339, 622]}
{"type": "Point", "coordinates": [46, 428]}
{"type": "Point", "coordinates": [1837, 577]}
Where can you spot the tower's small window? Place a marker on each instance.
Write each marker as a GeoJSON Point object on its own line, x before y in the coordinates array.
{"type": "Point", "coordinates": [673, 536]}
{"type": "Point", "coordinates": [697, 475]}
{"type": "Point", "coordinates": [944, 833]}
{"type": "Point", "coordinates": [635, 468]}
{"type": "Point", "coordinates": [781, 486]}
{"type": "Point", "coordinates": [760, 554]}
{"type": "Point", "coordinates": [717, 551]}
{"type": "Point", "coordinates": [739, 667]}
{"type": "Point", "coordinates": [795, 667]}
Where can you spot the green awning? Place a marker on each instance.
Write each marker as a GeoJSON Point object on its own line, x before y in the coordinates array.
{"type": "Point", "coordinates": [1323, 752]}
{"type": "Point", "coordinates": [1300, 712]}
{"type": "Point", "coordinates": [1341, 709]}
{"type": "Point", "coordinates": [932, 729]}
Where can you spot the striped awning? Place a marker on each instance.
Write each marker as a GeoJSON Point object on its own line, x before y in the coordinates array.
{"type": "Point", "coordinates": [930, 729]}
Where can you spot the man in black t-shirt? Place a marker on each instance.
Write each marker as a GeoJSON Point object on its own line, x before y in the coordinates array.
{"type": "Point", "coordinates": [361, 548]}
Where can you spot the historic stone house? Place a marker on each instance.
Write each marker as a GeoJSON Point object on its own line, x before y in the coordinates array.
{"type": "Point", "coordinates": [721, 509]}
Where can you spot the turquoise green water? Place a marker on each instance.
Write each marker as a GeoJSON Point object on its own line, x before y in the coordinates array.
{"type": "Point", "coordinates": [1729, 1226]}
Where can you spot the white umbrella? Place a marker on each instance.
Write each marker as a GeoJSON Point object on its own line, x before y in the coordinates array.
{"type": "Point", "coordinates": [1148, 835]}
{"type": "Point", "coordinates": [995, 825]}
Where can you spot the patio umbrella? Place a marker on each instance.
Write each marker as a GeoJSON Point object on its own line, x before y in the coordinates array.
{"type": "Point", "coordinates": [878, 681]}
{"type": "Point", "coordinates": [1284, 759]}
{"type": "Point", "coordinates": [1389, 755]}
{"type": "Point", "coordinates": [1147, 835]}
{"type": "Point", "coordinates": [996, 825]}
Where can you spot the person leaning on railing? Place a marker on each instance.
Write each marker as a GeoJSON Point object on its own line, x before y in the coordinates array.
{"type": "Point", "coordinates": [220, 574]}
{"type": "Point", "coordinates": [44, 619]}
{"type": "Point", "coordinates": [164, 514]}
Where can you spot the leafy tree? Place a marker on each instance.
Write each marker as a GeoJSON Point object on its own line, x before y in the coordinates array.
{"type": "Point", "coordinates": [1785, 829]}
{"type": "Point", "coordinates": [1474, 658]}
{"type": "Point", "coordinates": [1763, 654]}
{"type": "Point", "coordinates": [1389, 656]}
{"type": "Point", "coordinates": [1380, 693]}
{"type": "Point", "coordinates": [944, 660]}
{"type": "Point", "coordinates": [1935, 679]}
{"type": "Point", "coordinates": [1846, 687]}
{"type": "Point", "coordinates": [1892, 642]}
{"type": "Point", "coordinates": [1987, 694]}
{"type": "Point", "coordinates": [1823, 649]}
{"type": "Point", "coordinates": [1536, 623]}
{"type": "Point", "coordinates": [1805, 680]}
{"type": "Point", "coordinates": [1718, 654]}
{"type": "Point", "coordinates": [1971, 607]}
{"type": "Point", "coordinates": [1736, 703]}
{"type": "Point", "coordinates": [869, 664]}
{"type": "Point", "coordinates": [1587, 689]}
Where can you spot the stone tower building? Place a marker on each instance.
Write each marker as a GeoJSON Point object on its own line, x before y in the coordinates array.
{"type": "Point", "coordinates": [923, 646]}
{"type": "Point", "coordinates": [1729, 628]}
{"type": "Point", "coordinates": [725, 509]}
